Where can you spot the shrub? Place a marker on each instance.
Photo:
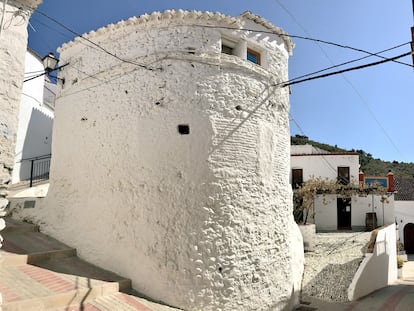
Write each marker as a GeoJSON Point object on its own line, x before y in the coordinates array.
{"type": "Point", "coordinates": [400, 262]}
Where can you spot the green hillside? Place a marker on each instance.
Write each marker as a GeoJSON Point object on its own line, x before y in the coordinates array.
{"type": "Point", "coordinates": [369, 165]}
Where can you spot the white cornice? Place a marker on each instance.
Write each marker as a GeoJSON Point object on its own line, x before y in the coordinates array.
{"type": "Point", "coordinates": [181, 17]}
{"type": "Point", "coordinates": [265, 23]}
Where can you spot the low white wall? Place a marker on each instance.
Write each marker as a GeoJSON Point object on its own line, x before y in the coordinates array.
{"type": "Point", "coordinates": [378, 269]}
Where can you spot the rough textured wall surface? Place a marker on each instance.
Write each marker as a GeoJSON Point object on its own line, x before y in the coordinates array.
{"type": "Point", "coordinates": [202, 220]}
{"type": "Point", "coordinates": [13, 45]}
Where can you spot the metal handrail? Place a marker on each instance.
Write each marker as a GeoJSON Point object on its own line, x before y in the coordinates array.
{"type": "Point", "coordinates": [45, 156]}
{"type": "Point", "coordinates": [39, 170]}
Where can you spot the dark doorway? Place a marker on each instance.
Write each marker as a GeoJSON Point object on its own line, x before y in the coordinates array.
{"type": "Point", "coordinates": [344, 213]}
{"type": "Point", "coordinates": [409, 238]}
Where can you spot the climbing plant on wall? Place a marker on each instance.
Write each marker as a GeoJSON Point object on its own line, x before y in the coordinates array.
{"type": "Point", "coordinates": [304, 195]}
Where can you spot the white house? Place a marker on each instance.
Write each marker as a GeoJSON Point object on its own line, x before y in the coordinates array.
{"type": "Point", "coordinates": [334, 212]}
{"type": "Point", "coordinates": [34, 133]}
{"type": "Point", "coordinates": [404, 212]}
{"type": "Point", "coordinates": [171, 159]}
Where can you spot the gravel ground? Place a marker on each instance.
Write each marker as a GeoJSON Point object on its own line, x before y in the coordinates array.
{"type": "Point", "coordinates": [329, 269]}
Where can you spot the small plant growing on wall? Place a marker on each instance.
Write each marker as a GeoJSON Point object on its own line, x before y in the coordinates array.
{"type": "Point", "coordinates": [400, 262]}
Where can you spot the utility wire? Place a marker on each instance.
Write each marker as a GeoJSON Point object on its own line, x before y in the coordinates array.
{"type": "Point", "coordinates": [216, 27]}
{"type": "Point", "coordinates": [349, 82]}
{"type": "Point", "coordinates": [44, 73]}
{"type": "Point", "coordinates": [348, 62]}
{"type": "Point", "coordinates": [3, 15]}
{"type": "Point", "coordinates": [303, 38]}
{"type": "Point", "coordinates": [91, 42]}
{"type": "Point", "coordinates": [62, 34]}
{"type": "Point", "coordinates": [288, 83]}
{"type": "Point", "coordinates": [329, 164]}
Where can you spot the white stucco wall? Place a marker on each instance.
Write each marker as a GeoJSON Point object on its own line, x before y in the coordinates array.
{"type": "Point", "coordinates": [34, 135]}
{"type": "Point", "coordinates": [378, 269]}
{"type": "Point", "coordinates": [200, 221]}
{"type": "Point", "coordinates": [326, 211]}
{"type": "Point", "coordinates": [404, 214]}
{"type": "Point", "coordinates": [13, 44]}
{"type": "Point", "coordinates": [325, 166]}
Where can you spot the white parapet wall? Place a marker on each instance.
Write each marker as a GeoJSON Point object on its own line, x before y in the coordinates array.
{"type": "Point", "coordinates": [171, 166]}
{"type": "Point", "coordinates": [378, 269]}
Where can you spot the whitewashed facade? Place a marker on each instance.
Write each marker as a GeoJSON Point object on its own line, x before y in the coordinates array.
{"type": "Point", "coordinates": [404, 212]}
{"type": "Point", "coordinates": [34, 134]}
{"type": "Point", "coordinates": [331, 212]}
{"type": "Point", "coordinates": [171, 160]}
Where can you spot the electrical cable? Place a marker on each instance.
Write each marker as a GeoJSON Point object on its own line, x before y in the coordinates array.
{"type": "Point", "coordinates": [44, 73]}
{"type": "Point", "coordinates": [303, 38]}
{"type": "Point", "coordinates": [288, 83]}
{"type": "Point", "coordinates": [216, 27]}
{"type": "Point", "coordinates": [349, 82]}
{"type": "Point", "coordinates": [61, 33]}
{"type": "Point", "coordinates": [33, 72]}
{"type": "Point", "coordinates": [348, 62]}
{"type": "Point", "coordinates": [34, 77]}
{"type": "Point", "coordinates": [91, 42]}
{"type": "Point", "coordinates": [2, 15]}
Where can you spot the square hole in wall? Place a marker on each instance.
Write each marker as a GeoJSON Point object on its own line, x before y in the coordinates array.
{"type": "Point", "coordinates": [184, 129]}
{"type": "Point", "coordinates": [29, 204]}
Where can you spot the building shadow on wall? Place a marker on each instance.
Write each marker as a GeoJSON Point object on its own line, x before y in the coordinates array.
{"type": "Point", "coordinates": [37, 141]}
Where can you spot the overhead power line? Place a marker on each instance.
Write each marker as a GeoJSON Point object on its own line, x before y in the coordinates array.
{"type": "Point", "coordinates": [217, 27]}
{"type": "Point", "coordinates": [353, 87]}
{"type": "Point", "coordinates": [348, 62]}
{"type": "Point", "coordinates": [304, 38]}
{"type": "Point", "coordinates": [291, 82]}
{"type": "Point", "coordinates": [91, 42]}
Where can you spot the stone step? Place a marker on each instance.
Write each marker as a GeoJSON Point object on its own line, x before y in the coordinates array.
{"type": "Point", "coordinates": [28, 287]}
{"type": "Point", "coordinates": [18, 226]}
{"type": "Point", "coordinates": [76, 266]}
{"type": "Point", "coordinates": [117, 302]}
{"type": "Point", "coordinates": [41, 273]}
{"type": "Point", "coordinates": [31, 247]}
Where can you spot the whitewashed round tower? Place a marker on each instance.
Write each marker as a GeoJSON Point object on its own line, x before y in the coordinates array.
{"type": "Point", "coordinates": [171, 159]}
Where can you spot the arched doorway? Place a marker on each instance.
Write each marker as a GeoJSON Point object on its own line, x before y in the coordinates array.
{"type": "Point", "coordinates": [409, 238]}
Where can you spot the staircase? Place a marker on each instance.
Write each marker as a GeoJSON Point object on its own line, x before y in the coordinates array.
{"type": "Point", "coordinates": [40, 273]}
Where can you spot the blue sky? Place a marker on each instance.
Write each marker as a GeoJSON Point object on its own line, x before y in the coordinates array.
{"type": "Point", "coordinates": [370, 109]}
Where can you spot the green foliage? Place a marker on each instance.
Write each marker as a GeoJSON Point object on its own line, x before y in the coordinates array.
{"type": "Point", "coordinates": [369, 165]}
{"type": "Point", "coordinates": [400, 262]}
{"type": "Point", "coordinates": [303, 197]}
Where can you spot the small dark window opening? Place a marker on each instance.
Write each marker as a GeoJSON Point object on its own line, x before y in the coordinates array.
{"type": "Point", "coordinates": [184, 129]}
{"type": "Point", "coordinates": [226, 49]}
{"type": "Point", "coordinates": [297, 178]}
{"type": "Point", "coordinates": [343, 175]}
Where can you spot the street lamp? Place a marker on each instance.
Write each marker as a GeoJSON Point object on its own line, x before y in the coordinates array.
{"type": "Point", "coordinates": [49, 62]}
